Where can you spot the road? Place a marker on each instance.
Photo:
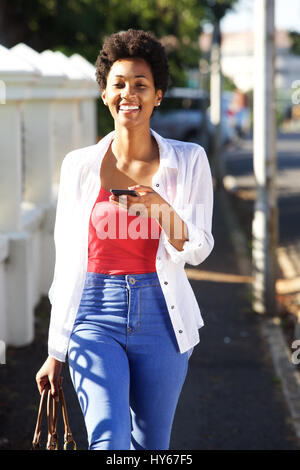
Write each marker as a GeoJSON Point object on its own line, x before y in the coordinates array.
{"type": "Point", "coordinates": [239, 164]}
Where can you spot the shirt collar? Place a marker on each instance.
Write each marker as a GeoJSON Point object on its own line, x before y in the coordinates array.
{"type": "Point", "coordinates": [168, 157]}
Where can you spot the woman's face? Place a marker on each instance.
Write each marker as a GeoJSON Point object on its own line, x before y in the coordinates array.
{"type": "Point", "coordinates": [130, 92]}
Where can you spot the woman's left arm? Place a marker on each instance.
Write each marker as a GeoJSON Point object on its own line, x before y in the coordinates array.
{"type": "Point", "coordinates": [186, 233]}
{"type": "Point", "coordinates": [196, 213]}
{"type": "Point", "coordinates": [149, 203]}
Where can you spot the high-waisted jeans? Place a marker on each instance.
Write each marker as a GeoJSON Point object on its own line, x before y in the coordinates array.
{"type": "Point", "coordinates": [125, 363]}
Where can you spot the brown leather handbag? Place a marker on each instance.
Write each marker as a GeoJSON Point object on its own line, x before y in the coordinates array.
{"type": "Point", "coordinates": [52, 411]}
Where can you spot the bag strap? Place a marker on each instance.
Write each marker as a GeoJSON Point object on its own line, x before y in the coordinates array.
{"type": "Point", "coordinates": [52, 412]}
{"type": "Point", "coordinates": [68, 436]}
{"type": "Point", "coordinates": [52, 442]}
{"type": "Point", "coordinates": [38, 427]}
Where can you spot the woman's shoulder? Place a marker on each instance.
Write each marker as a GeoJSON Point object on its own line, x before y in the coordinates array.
{"type": "Point", "coordinates": [85, 155]}
{"type": "Point", "coordinates": [185, 146]}
{"type": "Point", "coordinates": [79, 155]}
{"type": "Point", "coordinates": [187, 152]}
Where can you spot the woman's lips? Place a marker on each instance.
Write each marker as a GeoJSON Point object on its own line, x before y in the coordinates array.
{"type": "Point", "coordinates": [129, 108]}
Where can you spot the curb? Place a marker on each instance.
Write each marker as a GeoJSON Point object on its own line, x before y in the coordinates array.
{"type": "Point", "coordinates": [270, 328]}
{"type": "Point", "coordinates": [285, 369]}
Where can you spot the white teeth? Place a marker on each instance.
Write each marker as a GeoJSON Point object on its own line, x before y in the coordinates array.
{"type": "Point", "coordinates": [126, 108]}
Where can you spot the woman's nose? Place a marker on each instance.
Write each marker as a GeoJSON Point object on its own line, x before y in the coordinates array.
{"type": "Point", "coordinates": [127, 91]}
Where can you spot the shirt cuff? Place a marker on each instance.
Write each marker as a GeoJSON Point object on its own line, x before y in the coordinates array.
{"type": "Point", "coordinates": [190, 247]}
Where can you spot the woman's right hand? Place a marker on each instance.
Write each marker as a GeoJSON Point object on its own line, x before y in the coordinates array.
{"type": "Point", "coordinates": [49, 374]}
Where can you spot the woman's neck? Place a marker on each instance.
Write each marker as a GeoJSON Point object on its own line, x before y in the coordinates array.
{"type": "Point", "coordinates": [132, 145]}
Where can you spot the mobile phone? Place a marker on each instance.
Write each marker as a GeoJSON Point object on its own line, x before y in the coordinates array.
{"type": "Point", "coordinates": [125, 192]}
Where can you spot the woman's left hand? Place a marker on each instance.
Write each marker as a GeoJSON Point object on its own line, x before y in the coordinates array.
{"type": "Point", "coordinates": [150, 200]}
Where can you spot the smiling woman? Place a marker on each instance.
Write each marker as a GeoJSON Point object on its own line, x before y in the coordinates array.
{"type": "Point", "coordinates": [122, 306]}
{"type": "Point", "coordinates": [130, 92]}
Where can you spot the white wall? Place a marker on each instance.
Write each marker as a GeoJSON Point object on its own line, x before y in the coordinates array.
{"type": "Point", "coordinates": [49, 110]}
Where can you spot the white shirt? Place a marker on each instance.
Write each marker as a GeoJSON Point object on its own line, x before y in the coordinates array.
{"type": "Point", "coordinates": [184, 180]}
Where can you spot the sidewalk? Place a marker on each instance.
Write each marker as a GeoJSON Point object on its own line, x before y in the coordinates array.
{"type": "Point", "coordinates": [241, 185]}
{"type": "Point", "coordinates": [232, 398]}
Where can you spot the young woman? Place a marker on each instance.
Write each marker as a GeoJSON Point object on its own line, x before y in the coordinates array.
{"type": "Point", "coordinates": [123, 309]}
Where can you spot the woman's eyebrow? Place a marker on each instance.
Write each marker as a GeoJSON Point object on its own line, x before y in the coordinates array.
{"type": "Point", "coordinates": [136, 76]}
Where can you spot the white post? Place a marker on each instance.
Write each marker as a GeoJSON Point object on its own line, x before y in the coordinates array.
{"type": "Point", "coordinates": [4, 253]}
{"type": "Point", "coordinates": [38, 149]}
{"type": "Point", "coordinates": [19, 78]}
{"type": "Point", "coordinates": [11, 167]}
{"type": "Point", "coordinates": [216, 103]}
{"type": "Point", "coordinates": [264, 228]}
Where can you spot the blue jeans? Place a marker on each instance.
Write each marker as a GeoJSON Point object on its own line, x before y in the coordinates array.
{"type": "Point", "coordinates": [125, 363]}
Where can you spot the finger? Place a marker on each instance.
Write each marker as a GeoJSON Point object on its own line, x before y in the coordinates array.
{"type": "Point", "coordinates": [116, 203]}
{"type": "Point", "coordinates": [135, 199]}
{"type": "Point", "coordinates": [55, 389]}
{"type": "Point", "coordinates": [141, 187]}
{"type": "Point", "coordinates": [41, 383]}
{"type": "Point", "coordinates": [42, 387]}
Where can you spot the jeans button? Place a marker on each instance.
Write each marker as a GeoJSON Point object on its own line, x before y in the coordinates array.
{"type": "Point", "coordinates": [132, 280]}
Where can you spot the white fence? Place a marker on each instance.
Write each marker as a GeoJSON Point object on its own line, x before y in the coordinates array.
{"type": "Point", "coordinates": [47, 108]}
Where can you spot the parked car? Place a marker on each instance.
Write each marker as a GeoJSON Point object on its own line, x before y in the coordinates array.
{"type": "Point", "coordinates": [236, 116]}
{"type": "Point", "coordinates": [182, 116]}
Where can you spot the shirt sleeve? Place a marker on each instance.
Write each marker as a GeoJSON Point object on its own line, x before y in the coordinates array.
{"type": "Point", "coordinates": [197, 214]}
{"type": "Point", "coordinates": [59, 218]}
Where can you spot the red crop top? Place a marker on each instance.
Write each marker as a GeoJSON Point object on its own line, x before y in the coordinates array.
{"type": "Point", "coordinates": [120, 243]}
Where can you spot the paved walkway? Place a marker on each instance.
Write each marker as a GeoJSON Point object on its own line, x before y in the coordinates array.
{"type": "Point", "coordinates": [232, 398]}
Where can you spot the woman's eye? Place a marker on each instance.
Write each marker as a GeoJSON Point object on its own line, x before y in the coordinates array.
{"type": "Point", "coordinates": [118, 85]}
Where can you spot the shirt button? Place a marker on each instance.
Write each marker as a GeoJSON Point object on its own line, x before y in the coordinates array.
{"type": "Point", "coordinates": [172, 306]}
{"type": "Point", "coordinates": [158, 257]}
{"type": "Point", "coordinates": [180, 331]}
{"type": "Point", "coordinates": [157, 184]}
{"type": "Point", "coordinates": [166, 282]}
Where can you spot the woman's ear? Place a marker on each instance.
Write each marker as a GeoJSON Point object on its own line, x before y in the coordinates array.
{"type": "Point", "coordinates": [159, 96]}
{"type": "Point", "coordinates": [103, 96]}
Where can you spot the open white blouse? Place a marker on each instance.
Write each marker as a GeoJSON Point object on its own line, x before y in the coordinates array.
{"type": "Point", "coordinates": [184, 180]}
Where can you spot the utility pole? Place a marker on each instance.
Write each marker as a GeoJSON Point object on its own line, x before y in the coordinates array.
{"type": "Point", "coordinates": [216, 104]}
{"type": "Point", "coordinates": [265, 221]}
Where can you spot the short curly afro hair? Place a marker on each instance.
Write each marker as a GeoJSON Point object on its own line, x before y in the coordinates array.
{"type": "Point", "coordinates": [133, 44]}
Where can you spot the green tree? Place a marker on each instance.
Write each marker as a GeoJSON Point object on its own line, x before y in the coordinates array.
{"type": "Point", "coordinates": [295, 37]}
{"type": "Point", "coordinates": [81, 25]}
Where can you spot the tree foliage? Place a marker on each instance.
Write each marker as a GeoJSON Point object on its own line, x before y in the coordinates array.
{"type": "Point", "coordinates": [81, 25]}
{"type": "Point", "coordinates": [295, 47]}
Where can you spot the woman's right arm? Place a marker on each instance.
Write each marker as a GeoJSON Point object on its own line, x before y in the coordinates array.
{"type": "Point", "coordinates": [50, 373]}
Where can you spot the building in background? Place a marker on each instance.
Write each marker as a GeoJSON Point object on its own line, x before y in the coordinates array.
{"type": "Point", "coordinates": [238, 65]}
